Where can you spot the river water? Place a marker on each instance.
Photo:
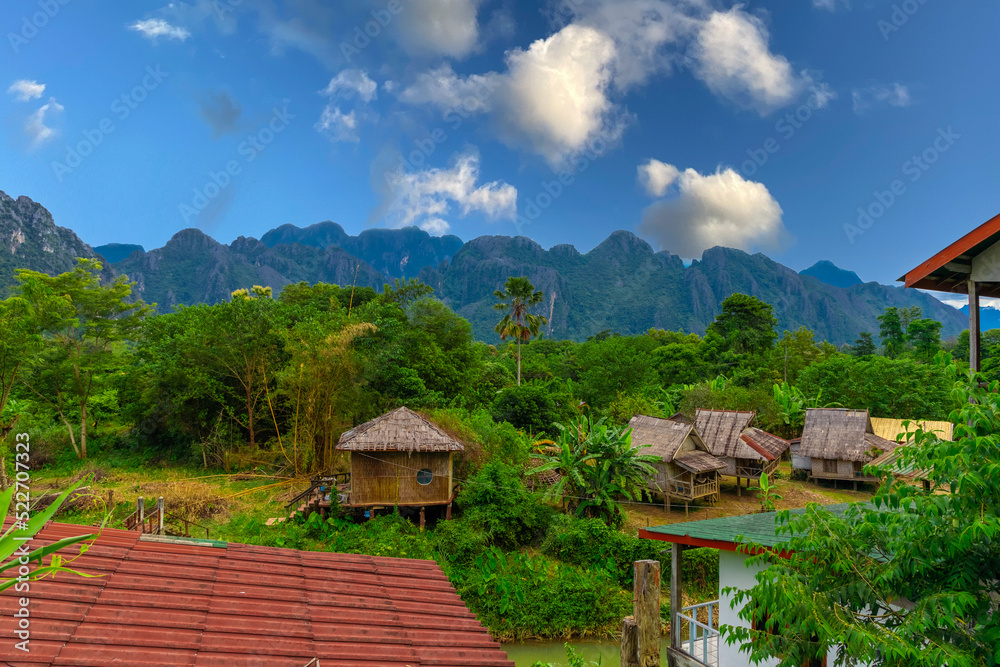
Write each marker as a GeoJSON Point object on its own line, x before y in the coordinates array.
{"type": "Point", "coordinates": [525, 654]}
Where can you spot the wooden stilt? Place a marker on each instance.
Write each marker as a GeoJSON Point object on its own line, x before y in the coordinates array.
{"type": "Point", "coordinates": [675, 595]}
{"type": "Point", "coordinates": [685, 509]}
{"type": "Point", "coordinates": [630, 643]}
{"type": "Point", "coordinates": [447, 513]}
{"type": "Point", "coordinates": [423, 518]}
{"type": "Point", "coordinates": [739, 488]}
{"type": "Point", "coordinates": [646, 611]}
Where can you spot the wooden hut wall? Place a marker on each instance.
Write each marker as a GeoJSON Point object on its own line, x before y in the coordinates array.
{"type": "Point", "coordinates": [845, 470]}
{"type": "Point", "coordinates": [390, 478]}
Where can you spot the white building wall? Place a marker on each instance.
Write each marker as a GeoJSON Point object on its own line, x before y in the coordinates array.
{"type": "Point", "coordinates": [734, 573]}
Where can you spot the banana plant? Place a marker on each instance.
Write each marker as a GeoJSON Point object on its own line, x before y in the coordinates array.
{"type": "Point", "coordinates": [22, 529]}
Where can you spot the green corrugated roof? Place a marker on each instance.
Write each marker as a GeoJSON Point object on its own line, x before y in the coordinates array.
{"type": "Point", "coordinates": [756, 528]}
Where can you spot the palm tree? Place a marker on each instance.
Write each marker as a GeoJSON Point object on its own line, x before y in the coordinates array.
{"type": "Point", "coordinates": [516, 298]}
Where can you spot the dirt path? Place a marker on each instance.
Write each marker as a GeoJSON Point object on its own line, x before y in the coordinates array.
{"type": "Point", "coordinates": [794, 493]}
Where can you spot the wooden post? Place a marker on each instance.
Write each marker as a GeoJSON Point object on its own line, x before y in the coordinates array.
{"type": "Point", "coordinates": [159, 510]}
{"type": "Point", "coordinates": [675, 595]}
{"type": "Point", "coordinates": [447, 513]}
{"type": "Point", "coordinates": [739, 488]}
{"type": "Point", "coordinates": [111, 500]}
{"type": "Point", "coordinates": [423, 519]}
{"type": "Point", "coordinates": [646, 611]}
{"type": "Point", "coordinates": [630, 643]}
{"type": "Point", "coordinates": [142, 516]}
{"type": "Point", "coordinates": [974, 327]}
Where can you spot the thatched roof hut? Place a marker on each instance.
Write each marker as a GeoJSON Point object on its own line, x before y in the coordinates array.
{"type": "Point", "coordinates": [840, 442]}
{"type": "Point", "coordinates": [400, 458]}
{"type": "Point", "coordinates": [686, 469]}
{"type": "Point", "coordinates": [748, 452]}
{"type": "Point", "coordinates": [401, 430]}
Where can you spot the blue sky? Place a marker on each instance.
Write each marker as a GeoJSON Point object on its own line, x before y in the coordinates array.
{"type": "Point", "coordinates": [760, 125]}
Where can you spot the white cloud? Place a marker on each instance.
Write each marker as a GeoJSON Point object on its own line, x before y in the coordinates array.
{"type": "Point", "coordinates": [350, 82]}
{"type": "Point", "coordinates": [35, 127]}
{"type": "Point", "coordinates": [554, 98]}
{"type": "Point", "coordinates": [720, 209]}
{"type": "Point", "coordinates": [439, 27]}
{"type": "Point", "coordinates": [642, 30]}
{"type": "Point", "coordinates": [425, 198]}
{"type": "Point", "coordinates": [820, 95]}
{"type": "Point", "coordinates": [892, 94]}
{"type": "Point", "coordinates": [25, 91]}
{"type": "Point", "coordinates": [656, 177]}
{"type": "Point", "coordinates": [732, 56]}
{"type": "Point", "coordinates": [831, 5]}
{"type": "Point", "coordinates": [337, 125]}
{"type": "Point", "coordinates": [155, 28]}
{"type": "Point", "coordinates": [960, 301]}
{"type": "Point", "coordinates": [444, 89]}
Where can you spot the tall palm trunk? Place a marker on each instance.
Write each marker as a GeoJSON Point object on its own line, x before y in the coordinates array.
{"type": "Point", "coordinates": [519, 362]}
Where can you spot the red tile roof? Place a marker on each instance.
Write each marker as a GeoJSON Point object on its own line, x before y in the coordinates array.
{"type": "Point", "coordinates": [163, 603]}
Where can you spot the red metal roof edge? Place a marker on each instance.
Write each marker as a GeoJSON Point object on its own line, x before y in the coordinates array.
{"type": "Point", "coordinates": [752, 444]}
{"type": "Point", "coordinates": [721, 545]}
{"type": "Point", "coordinates": [981, 233]}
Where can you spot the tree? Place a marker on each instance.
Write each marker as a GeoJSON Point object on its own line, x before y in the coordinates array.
{"type": "Point", "coordinates": [864, 346]}
{"type": "Point", "coordinates": [405, 292]}
{"type": "Point", "coordinates": [891, 332]}
{"type": "Point", "coordinates": [746, 324]}
{"type": "Point", "coordinates": [528, 407]}
{"type": "Point", "coordinates": [897, 388]}
{"type": "Point", "coordinates": [911, 579]}
{"type": "Point", "coordinates": [925, 337]}
{"type": "Point", "coordinates": [908, 315]}
{"type": "Point", "coordinates": [517, 298]}
{"type": "Point", "coordinates": [80, 337]}
{"type": "Point", "coordinates": [598, 465]}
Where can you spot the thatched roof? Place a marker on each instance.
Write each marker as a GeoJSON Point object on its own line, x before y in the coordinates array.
{"type": "Point", "coordinates": [892, 429]}
{"type": "Point", "coordinates": [699, 462]}
{"type": "Point", "coordinates": [401, 430]}
{"type": "Point", "coordinates": [843, 435]}
{"type": "Point", "coordinates": [767, 445]}
{"type": "Point", "coordinates": [665, 436]}
{"type": "Point", "coordinates": [729, 434]}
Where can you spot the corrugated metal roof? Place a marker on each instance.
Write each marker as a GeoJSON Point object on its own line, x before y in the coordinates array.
{"type": "Point", "coordinates": [756, 528]}
{"type": "Point", "coordinates": [401, 430]}
{"type": "Point", "coordinates": [892, 429]}
{"type": "Point", "coordinates": [159, 604]}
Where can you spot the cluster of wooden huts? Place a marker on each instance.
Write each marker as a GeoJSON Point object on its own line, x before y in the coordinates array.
{"type": "Point", "coordinates": [401, 459]}
{"type": "Point", "coordinates": [693, 456]}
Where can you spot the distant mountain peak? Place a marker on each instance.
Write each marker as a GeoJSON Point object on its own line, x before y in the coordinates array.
{"type": "Point", "coordinates": [831, 274]}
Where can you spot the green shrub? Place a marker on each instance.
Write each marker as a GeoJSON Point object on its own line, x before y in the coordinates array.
{"type": "Point", "coordinates": [496, 503]}
{"type": "Point", "coordinates": [590, 543]}
{"type": "Point", "coordinates": [529, 407]}
{"type": "Point", "coordinates": [519, 596]}
{"type": "Point", "coordinates": [458, 542]}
